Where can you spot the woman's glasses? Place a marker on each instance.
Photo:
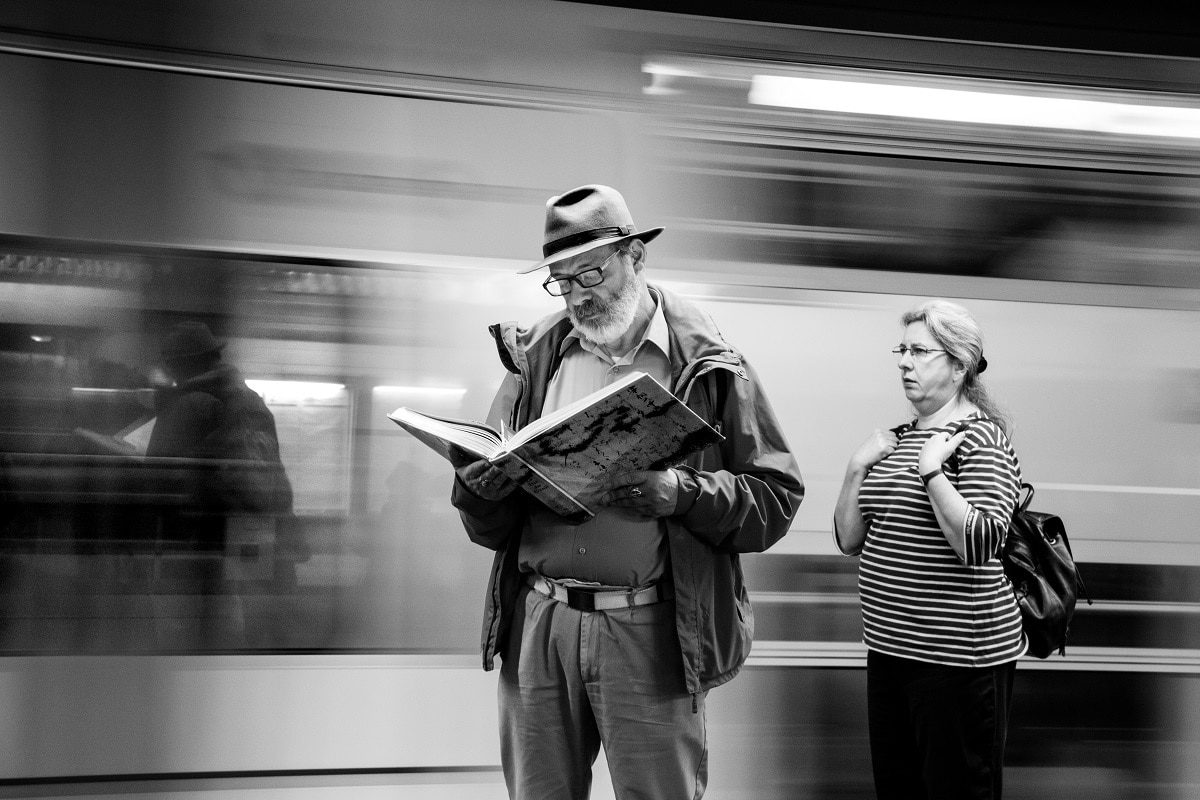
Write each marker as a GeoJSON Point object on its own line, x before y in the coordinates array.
{"type": "Point", "coordinates": [918, 352]}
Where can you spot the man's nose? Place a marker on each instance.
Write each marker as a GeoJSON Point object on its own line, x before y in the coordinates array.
{"type": "Point", "coordinates": [580, 295]}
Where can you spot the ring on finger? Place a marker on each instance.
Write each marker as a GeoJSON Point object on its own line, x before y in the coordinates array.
{"type": "Point", "coordinates": [635, 491]}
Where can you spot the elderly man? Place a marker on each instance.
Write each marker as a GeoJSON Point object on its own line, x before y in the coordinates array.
{"type": "Point", "coordinates": [612, 632]}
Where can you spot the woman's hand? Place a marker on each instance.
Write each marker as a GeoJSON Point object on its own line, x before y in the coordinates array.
{"type": "Point", "coordinates": [878, 446]}
{"type": "Point", "coordinates": [937, 449]}
{"type": "Point", "coordinates": [849, 528]}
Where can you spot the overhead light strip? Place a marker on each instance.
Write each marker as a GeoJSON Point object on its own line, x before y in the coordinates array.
{"type": "Point", "coordinates": [974, 107]}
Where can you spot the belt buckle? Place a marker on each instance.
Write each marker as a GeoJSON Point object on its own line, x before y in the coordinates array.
{"type": "Point", "coordinates": [580, 599]}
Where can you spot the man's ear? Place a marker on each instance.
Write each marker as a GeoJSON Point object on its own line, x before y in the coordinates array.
{"type": "Point", "coordinates": [637, 249]}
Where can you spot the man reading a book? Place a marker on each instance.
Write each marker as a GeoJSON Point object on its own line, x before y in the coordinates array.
{"type": "Point", "coordinates": [611, 632]}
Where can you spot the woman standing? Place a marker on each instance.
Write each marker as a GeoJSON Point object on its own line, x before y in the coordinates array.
{"type": "Point", "coordinates": [927, 505]}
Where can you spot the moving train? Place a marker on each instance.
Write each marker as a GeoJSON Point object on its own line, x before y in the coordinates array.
{"type": "Point", "coordinates": [345, 194]}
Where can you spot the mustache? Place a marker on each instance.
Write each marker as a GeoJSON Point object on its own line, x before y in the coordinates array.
{"type": "Point", "coordinates": [589, 308]}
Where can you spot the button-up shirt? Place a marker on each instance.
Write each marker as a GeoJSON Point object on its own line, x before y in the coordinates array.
{"type": "Point", "coordinates": [616, 547]}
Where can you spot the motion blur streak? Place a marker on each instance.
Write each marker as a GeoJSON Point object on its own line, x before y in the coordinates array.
{"type": "Point", "coordinates": [343, 193]}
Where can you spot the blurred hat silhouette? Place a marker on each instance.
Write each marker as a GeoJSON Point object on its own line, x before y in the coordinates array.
{"type": "Point", "coordinates": [586, 218]}
{"type": "Point", "coordinates": [188, 339]}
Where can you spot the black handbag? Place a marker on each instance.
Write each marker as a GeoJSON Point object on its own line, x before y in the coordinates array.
{"type": "Point", "coordinates": [1038, 562]}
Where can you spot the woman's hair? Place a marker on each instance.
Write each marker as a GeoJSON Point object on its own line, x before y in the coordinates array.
{"type": "Point", "coordinates": [957, 331]}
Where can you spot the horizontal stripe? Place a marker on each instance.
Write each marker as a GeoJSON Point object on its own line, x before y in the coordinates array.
{"type": "Point", "coordinates": [809, 654]}
{"type": "Point", "coordinates": [249, 774]}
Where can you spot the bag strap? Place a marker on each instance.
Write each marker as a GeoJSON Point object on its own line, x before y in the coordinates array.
{"type": "Point", "coordinates": [1027, 488]}
{"type": "Point", "coordinates": [1024, 504]}
{"type": "Point", "coordinates": [1078, 577]}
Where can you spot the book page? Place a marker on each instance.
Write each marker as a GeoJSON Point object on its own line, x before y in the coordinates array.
{"type": "Point", "coordinates": [440, 432]}
{"type": "Point", "coordinates": [533, 429]}
{"type": "Point", "coordinates": [138, 436]}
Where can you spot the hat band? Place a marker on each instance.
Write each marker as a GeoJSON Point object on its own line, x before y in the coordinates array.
{"type": "Point", "coordinates": [574, 239]}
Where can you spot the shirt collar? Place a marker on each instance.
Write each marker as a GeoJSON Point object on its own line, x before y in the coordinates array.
{"type": "Point", "coordinates": [657, 333]}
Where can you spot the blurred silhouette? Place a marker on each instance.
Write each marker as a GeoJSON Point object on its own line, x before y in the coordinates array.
{"type": "Point", "coordinates": [210, 413]}
{"type": "Point", "coordinates": [239, 495]}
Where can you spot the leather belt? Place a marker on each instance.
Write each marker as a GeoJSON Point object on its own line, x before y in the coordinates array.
{"type": "Point", "coordinates": [583, 599]}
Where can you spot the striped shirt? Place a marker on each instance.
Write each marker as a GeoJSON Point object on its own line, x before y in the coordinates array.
{"type": "Point", "coordinates": [919, 599]}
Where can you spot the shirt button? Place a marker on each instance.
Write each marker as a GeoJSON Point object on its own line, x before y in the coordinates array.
{"type": "Point", "coordinates": [583, 551]}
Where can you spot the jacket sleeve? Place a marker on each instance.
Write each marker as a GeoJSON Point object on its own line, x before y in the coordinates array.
{"type": "Point", "coordinates": [492, 523]}
{"type": "Point", "coordinates": [741, 495]}
{"type": "Point", "coordinates": [183, 424]}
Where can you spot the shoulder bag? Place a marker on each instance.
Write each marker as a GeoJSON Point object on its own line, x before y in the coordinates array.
{"type": "Point", "coordinates": [1038, 562]}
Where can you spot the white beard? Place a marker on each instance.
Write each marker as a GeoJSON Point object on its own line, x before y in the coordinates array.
{"type": "Point", "coordinates": [612, 323]}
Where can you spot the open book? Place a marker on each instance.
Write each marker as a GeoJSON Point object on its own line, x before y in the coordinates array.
{"type": "Point", "coordinates": [564, 457]}
{"type": "Point", "coordinates": [129, 441]}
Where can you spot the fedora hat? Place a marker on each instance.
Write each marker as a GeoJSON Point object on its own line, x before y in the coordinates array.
{"type": "Point", "coordinates": [584, 219]}
{"type": "Point", "coordinates": [189, 339]}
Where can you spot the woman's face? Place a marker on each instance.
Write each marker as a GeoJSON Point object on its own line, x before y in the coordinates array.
{"type": "Point", "coordinates": [931, 379]}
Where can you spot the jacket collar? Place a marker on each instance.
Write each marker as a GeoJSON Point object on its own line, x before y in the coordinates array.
{"type": "Point", "coordinates": [657, 332]}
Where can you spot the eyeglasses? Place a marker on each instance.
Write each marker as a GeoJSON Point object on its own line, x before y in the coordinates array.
{"type": "Point", "coordinates": [557, 286]}
{"type": "Point", "coordinates": [918, 352]}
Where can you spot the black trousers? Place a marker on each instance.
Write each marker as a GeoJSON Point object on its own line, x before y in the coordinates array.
{"type": "Point", "coordinates": [937, 732]}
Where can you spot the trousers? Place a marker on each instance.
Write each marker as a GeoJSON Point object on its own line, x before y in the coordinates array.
{"type": "Point", "coordinates": [937, 732]}
{"type": "Point", "coordinates": [571, 681]}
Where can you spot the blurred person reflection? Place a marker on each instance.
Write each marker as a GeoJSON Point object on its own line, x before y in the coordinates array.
{"type": "Point", "coordinates": [927, 506]}
{"type": "Point", "coordinates": [612, 632]}
{"type": "Point", "coordinates": [209, 415]}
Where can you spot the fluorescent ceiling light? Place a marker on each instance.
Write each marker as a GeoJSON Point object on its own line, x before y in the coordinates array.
{"type": "Point", "coordinates": [296, 391]}
{"type": "Point", "coordinates": [437, 394]}
{"type": "Point", "coordinates": [661, 75]}
{"type": "Point", "coordinates": [988, 108]}
{"type": "Point", "coordinates": [102, 392]}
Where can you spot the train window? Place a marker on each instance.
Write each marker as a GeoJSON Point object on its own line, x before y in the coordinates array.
{"type": "Point", "coordinates": [313, 424]}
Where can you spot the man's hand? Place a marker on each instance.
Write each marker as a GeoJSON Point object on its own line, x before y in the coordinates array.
{"type": "Point", "coordinates": [651, 494]}
{"type": "Point", "coordinates": [480, 477]}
